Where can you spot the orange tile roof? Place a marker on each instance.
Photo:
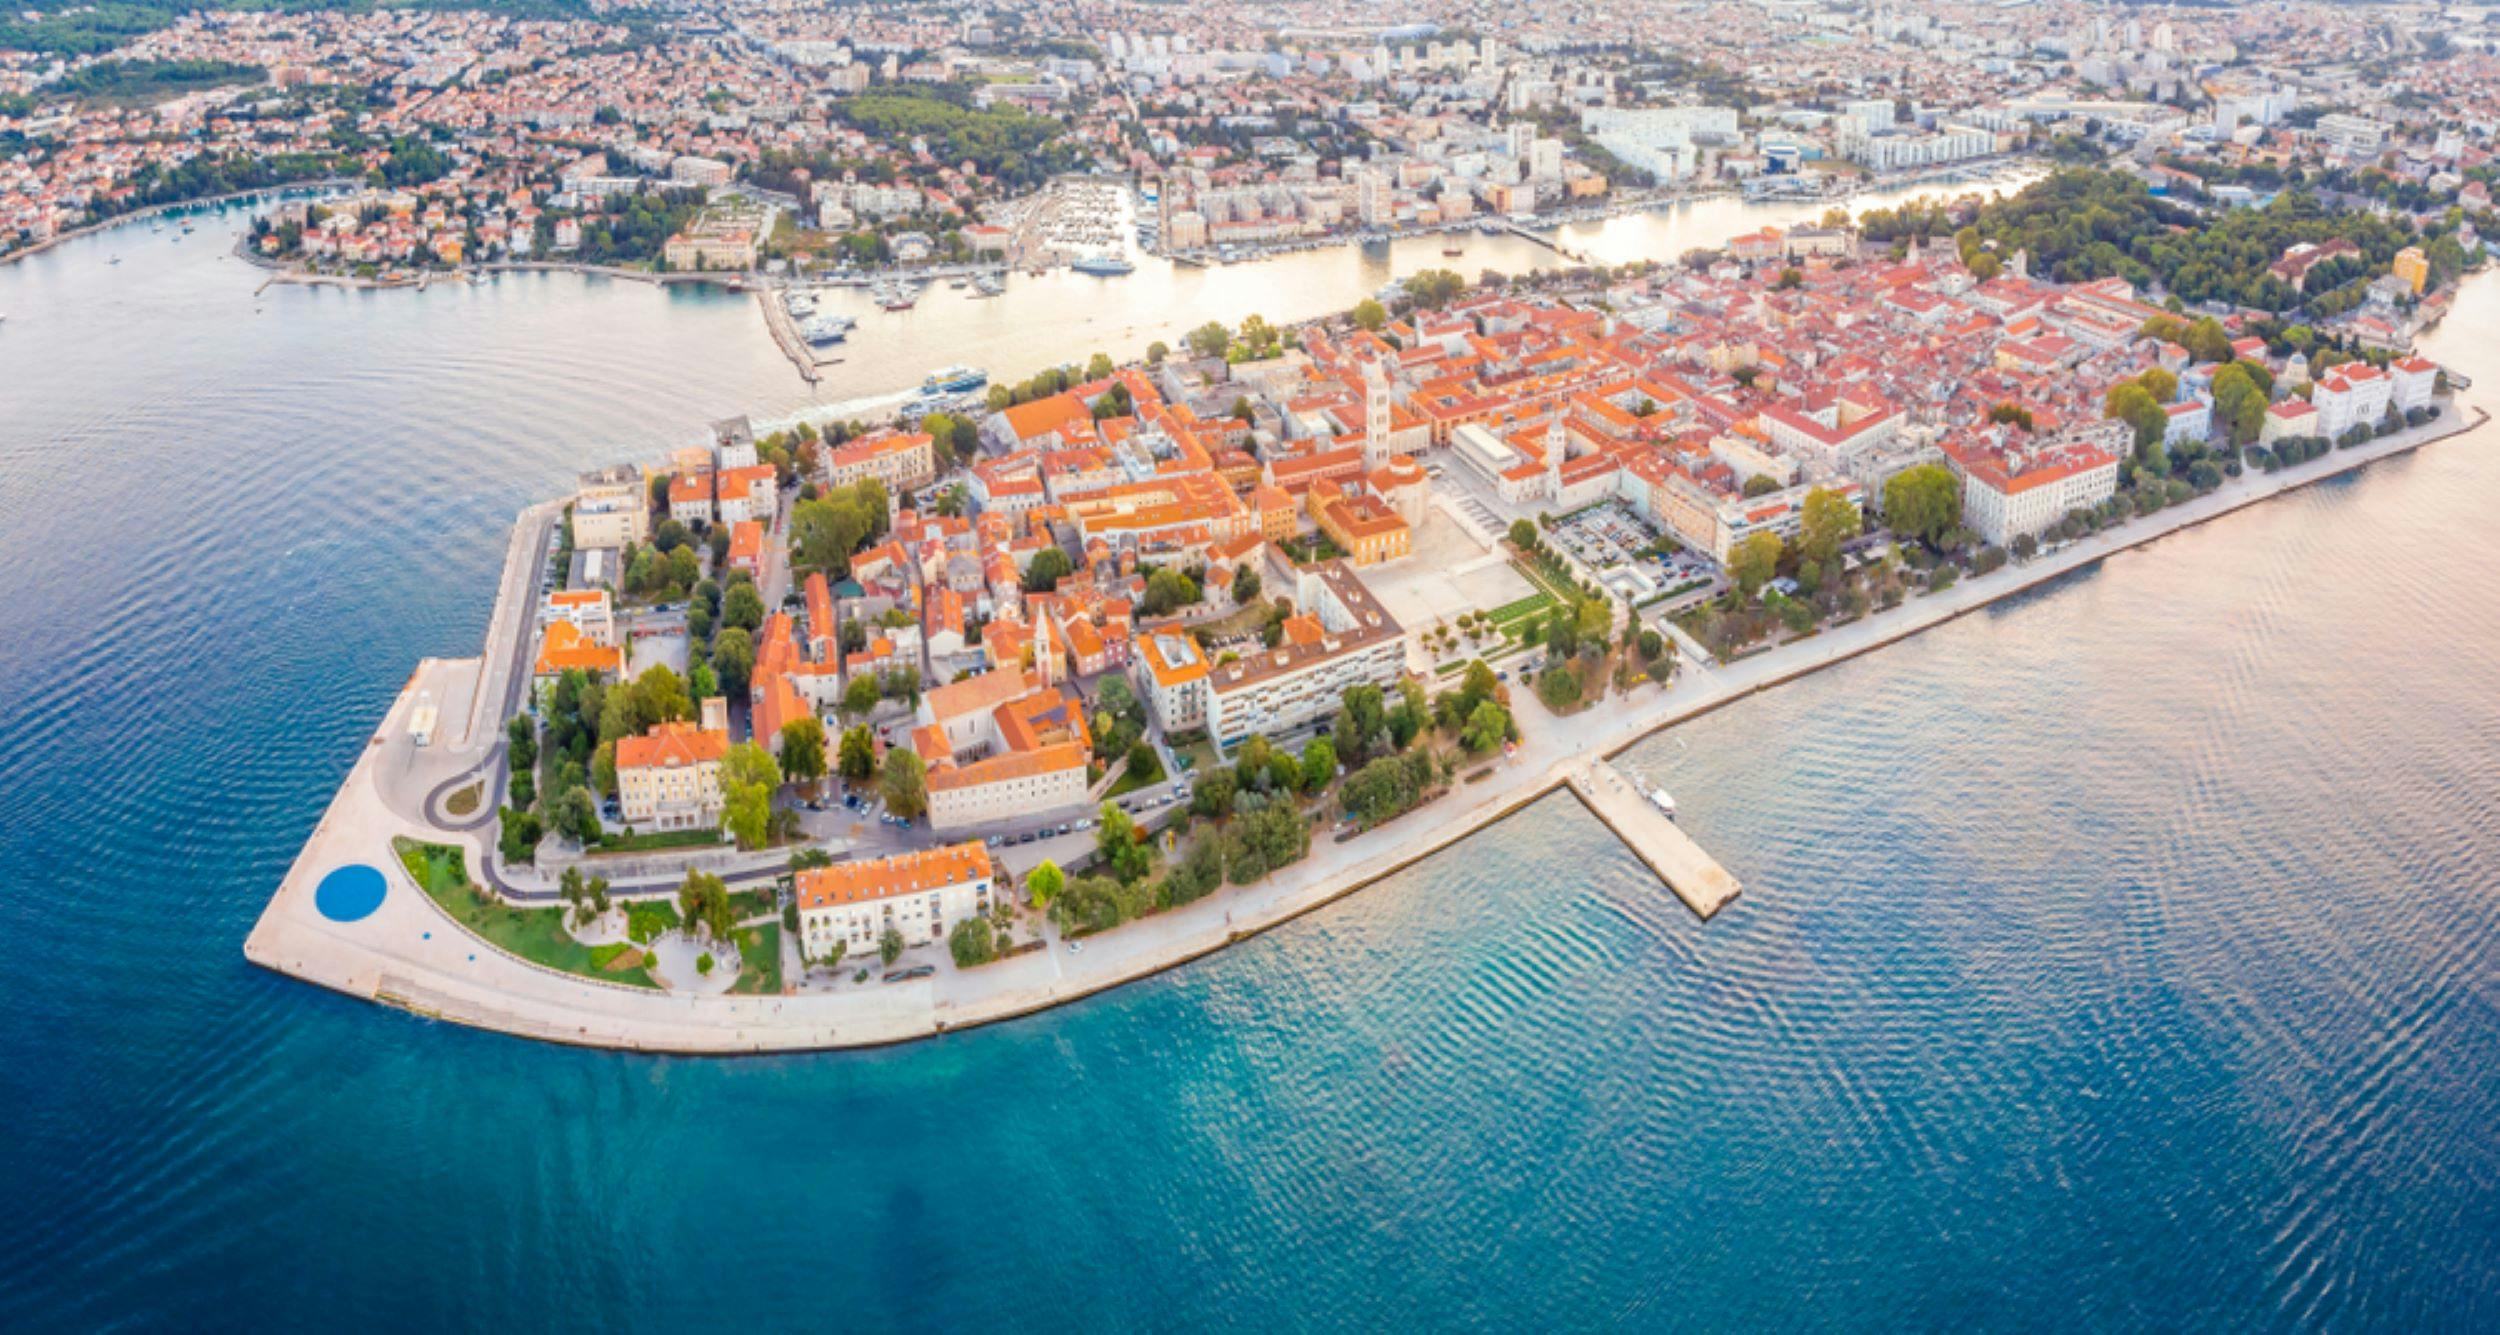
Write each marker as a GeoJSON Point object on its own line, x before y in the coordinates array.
{"type": "Point", "coordinates": [671, 744]}
{"type": "Point", "coordinates": [566, 648]}
{"type": "Point", "coordinates": [884, 878]}
{"type": "Point", "coordinates": [1013, 765]}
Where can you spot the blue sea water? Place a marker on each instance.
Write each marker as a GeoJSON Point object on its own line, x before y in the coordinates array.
{"type": "Point", "coordinates": [2126, 956]}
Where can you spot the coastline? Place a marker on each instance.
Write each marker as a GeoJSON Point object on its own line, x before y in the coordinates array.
{"type": "Point", "coordinates": [97, 228]}
{"type": "Point", "coordinates": [393, 955]}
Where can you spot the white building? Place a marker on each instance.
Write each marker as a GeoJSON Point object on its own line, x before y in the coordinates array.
{"type": "Point", "coordinates": [2352, 395]}
{"type": "Point", "coordinates": [921, 896]}
{"type": "Point", "coordinates": [1341, 638]}
{"type": "Point", "coordinates": [1171, 674]}
{"type": "Point", "coordinates": [612, 508]}
{"type": "Point", "coordinates": [2012, 490]}
{"type": "Point", "coordinates": [669, 778]}
{"type": "Point", "coordinates": [2352, 136]}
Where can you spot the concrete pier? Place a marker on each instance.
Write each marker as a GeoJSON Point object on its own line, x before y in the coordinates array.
{"type": "Point", "coordinates": [1694, 876]}
{"type": "Point", "coordinates": [786, 335]}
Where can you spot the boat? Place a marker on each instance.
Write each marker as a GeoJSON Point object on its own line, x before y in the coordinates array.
{"type": "Point", "coordinates": [115, 260]}
{"type": "Point", "coordinates": [988, 285]}
{"type": "Point", "coordinates": [954, 380]}
{"type": "Point", "coordinates": [823, 329]}
{"type": "Point", "coordinates": [956, 284]}
{"type": "Point", "coordinates": [1452, 249]}
{"type": "Point", "coordinates": [800, 303]}
{"type": "Point", "coordinates": [898, 299]}
{"type": "Point", "coordinates": [1103, 266]}
{"type": "Point", "coordinates": [1666, 805]}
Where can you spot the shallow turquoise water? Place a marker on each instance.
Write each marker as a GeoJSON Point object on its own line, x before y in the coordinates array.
{"type": "Point", "coordinates": [2125, 956]}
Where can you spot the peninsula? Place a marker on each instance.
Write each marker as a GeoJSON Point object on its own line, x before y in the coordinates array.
{"type": "Point", "coordinates": [805, 738]}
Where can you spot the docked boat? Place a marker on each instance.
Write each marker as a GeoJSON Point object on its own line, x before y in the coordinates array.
{"type": "Point", "coordinates": [954, 380]}
{"type": "Point", "coordinates": [1666, 805]}
{"type": "Point", "coordinates": [988, 285]}
{"type": "Point", "coordinates": [801, 304]}
{"type": "Point", "coordinates": [1103, 266]}
{"type": "Point", "coordinates": [823, 329]}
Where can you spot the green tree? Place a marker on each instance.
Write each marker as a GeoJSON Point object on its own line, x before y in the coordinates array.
{"type": "Point", "coordinates": [1559, 688]}
{"type": "Point", "coordinates": [905, 782]}
{"type": "Point", "coordinates": [1434, 287]}
{"type": "Point", "coordinates": [659, 696]}
{"type": "Point", "coordinates": [1212, 794]}
{"type": "Point", "coordinates": [733, 660]}
{"type": "Point", "coordinates": [1753, 561]}
{"type": "Point", "coordinates": [1370, 315]}
{"type": "Point", "coordinates": [973, 942]}
{"type": "Point", "coordinates": [889, 947]}
{"type": "Point", "coordinates": [2133, 404]}
{"type": "Point", "coordinates": [1830, 520]}
{"type": "Point", "coordinates": [576, 816]}
{"type": "Point", "coordinates": [519, 834]}
{"type": "Point", "coordinates": [2207, 341]}
{"type": "Point", "coordinates": [858, 762]}
{"type": "Point", "coordinates": [803, 749]}
{"type": "Point", "coordinates": [1050, 565]}
{"type": "Point", "coordinates": [743, 608]}
{"type": "Point", "coordinates": [1487, 727]}
{"type": "Point", "coordinates": [1044, 883]}
{"type": "Point", "coordinates": [1210, 339]}
{"type": "Point", "coordinates": [1923, 502]}
{"type": "Point", "coordinates": [1523, 535]}
{"type": "Point", "coordinates": [1319, 764]}
{"type": "Point", "coordinates": [861, 694]}
{"type": "Point", "coordinates": [1116, 842]}
{"type": "Point", "coordinates": [703, 901]}
{"type": "Point", "coordinates": [1166, 591]}
{"type": "Point", "coordinates": [1246, 584]}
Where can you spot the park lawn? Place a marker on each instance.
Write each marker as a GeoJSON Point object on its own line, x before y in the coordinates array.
{"type": "Point", "coordinates": [464, 802]}
{"type": "Point", "coordinates": [1520, 609]}
{"type": "Point", "coordinates": [1130, 780]}
{"type": "Point", "coordinates": [759, 949]}
{"type": "Point", "coordinates": [745, 904]}
{"type": "Point", "coordinates": [1536, 573]}
{"type": "Point", "coordinates": [1198, 757]}
{"type": "Point", "coordinates": [642, 843]}
{"type": "Point", "coordinates": [536, 935]}
{"type": "Point", "coordinates": [646, 919]}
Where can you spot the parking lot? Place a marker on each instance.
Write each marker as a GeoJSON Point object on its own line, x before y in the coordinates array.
{"type": "Point", "coordinates": [1610, 536]}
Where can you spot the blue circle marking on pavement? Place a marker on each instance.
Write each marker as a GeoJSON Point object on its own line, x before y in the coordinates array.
{"type": "Point", "coordinates": [350, 894]}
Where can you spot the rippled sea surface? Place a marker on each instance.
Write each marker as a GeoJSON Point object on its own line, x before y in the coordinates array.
{"type": "Point", "coordinates": [2126, 956]}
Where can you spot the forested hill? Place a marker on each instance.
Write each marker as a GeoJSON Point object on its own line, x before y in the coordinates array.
{"type": "Point", "coordinates": [2087, 223]}
{"type": "Point", "coordinates": [77, 28]}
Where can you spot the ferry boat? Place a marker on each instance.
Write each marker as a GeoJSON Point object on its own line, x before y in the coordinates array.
{"type": "Point", "coordinates": [954, 380]}
{"type": "Point", "coordinates": [1666, 805]}
{"type": "Point", "coordinates": [1103, 266]}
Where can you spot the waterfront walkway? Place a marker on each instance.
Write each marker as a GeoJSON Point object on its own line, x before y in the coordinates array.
{"type": "Point", "coordinates": [407, 953]}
